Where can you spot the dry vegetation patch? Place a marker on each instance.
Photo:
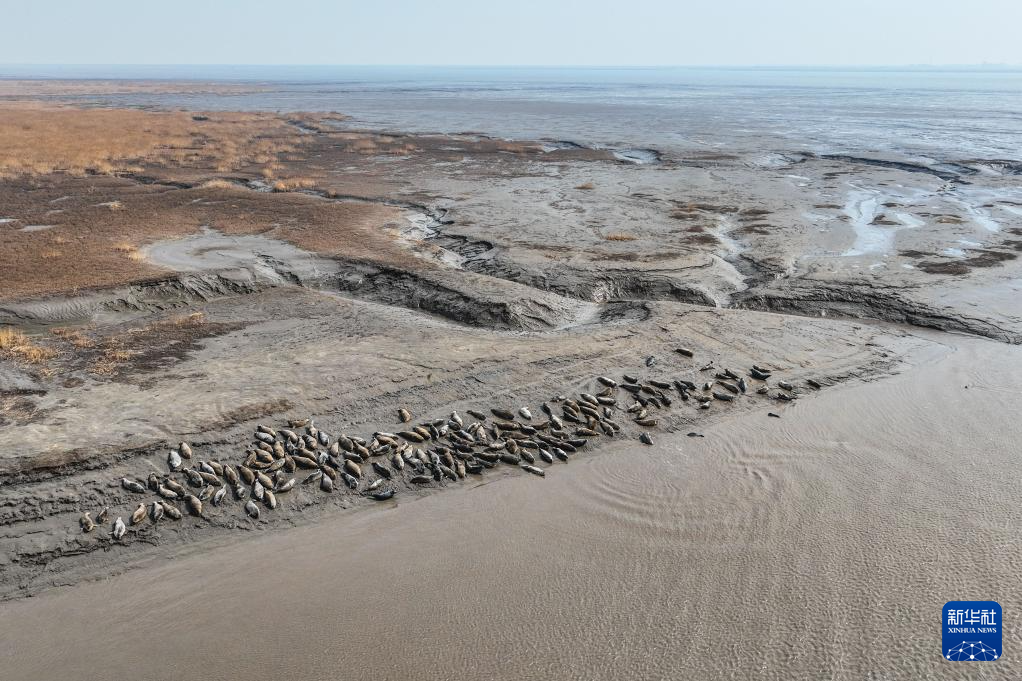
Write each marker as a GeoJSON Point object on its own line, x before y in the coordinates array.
{"type": "Point", "coordinates": [15, 344]}
{"type": "Point", "coordinates": [91, 246]}
{"type": "Point", "coordinates": [37, 140]}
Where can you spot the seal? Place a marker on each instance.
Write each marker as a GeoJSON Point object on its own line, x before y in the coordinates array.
{"type": "Point", "coordinates": [194, 505]}
{"type": "Point", "coordinates": [185, 450]}
{"type": "Point", "coordinates": [381, 470]}
{"type": "Point", "coordinates": [503, 414]}
{"type": "Point", "coordinates": [776, 416]}
{"type": "Point", "coordinates": [646, 439]}
{"type": "Point", "coordinates": [609, 382]}
{"type": "Point", "coordinates": [271, 500]}
{"type": "Point", "coordinates": [167, 493]}
{"type": "Point", "coordinates": [251, 509]}
{"type": "Point", "coordinates": [813, 383]}
{"type": "Point", "coordinates": [684, 352]}
{"type": "Point", "coordinates": [785, 385]}
{"type": "Point", "coordinates": [420, 479]}
{"type": "Point", "coordinates": [264, 480]}
{"type": "Point", "coordinates": [535, 470]}
{"type": "Point", "coordinates": [247, 474]}
{"type": "Point", "coordinates": [526, 414]}
{"type": "Point", "coordinates": [86, 523]}
{"type": "Point", "coordinates": [383, 496]}
{"type": "Point", "coordinates": [156, 511]}
{"type": "Point", "coordinates": [133, 486]}
{"type": "Point", "coordinates": [218, 496]}
{"type": "Point", "coordinates": [174, 461]}
{"type": "Point", "coordinates": [723, 397]}
{"type": "Point", "coordinates": [171, 510]}
{"type": "Point", "coordinates": [119, 529]}
{"type": "Point", "coordinates": [412, 436]}
{"type": "Point", "coordinates": [476, 414]}
{"type": "Point", "coordinates": [138, 515]}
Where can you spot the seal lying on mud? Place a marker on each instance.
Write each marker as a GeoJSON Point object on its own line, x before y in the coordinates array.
{"type": "Point", "coordinates": [433, 452]}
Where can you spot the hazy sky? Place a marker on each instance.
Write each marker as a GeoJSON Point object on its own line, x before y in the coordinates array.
{"type": "Point", "coordinates": [525, 32]}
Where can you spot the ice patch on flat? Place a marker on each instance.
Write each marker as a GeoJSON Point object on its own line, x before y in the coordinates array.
{"type": "Point", "coordinates": [862, 209]}
{"type": "Point", "coordinates": [637, 156]}
{"type": "Point", "coordinates": [909, 220]}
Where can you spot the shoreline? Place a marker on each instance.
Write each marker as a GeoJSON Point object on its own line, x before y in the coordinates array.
{"type": "Point", "coordinates": [341, 570]}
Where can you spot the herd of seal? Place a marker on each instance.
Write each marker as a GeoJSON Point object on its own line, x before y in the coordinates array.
{"type": "Point", "coordinates": [430, 452]}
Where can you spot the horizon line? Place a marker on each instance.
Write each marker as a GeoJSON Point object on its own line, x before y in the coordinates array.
{"type": "Point", "coordinates": [918, 65]}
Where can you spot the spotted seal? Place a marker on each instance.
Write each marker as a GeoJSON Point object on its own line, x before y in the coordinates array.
{"type": "Point", "coordinates": [535, 470]}
{"type": "Point", "coordinates": [119, 529]}
{"type": "Point", "coordinates": [133, 486]}
{"type": "Point", "coordinates": [171, 510]}
{"type": "Point", "coordinates": [194, 505]}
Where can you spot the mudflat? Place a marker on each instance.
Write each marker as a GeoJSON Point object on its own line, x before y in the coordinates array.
{"type": "Point", "coordinates": [824, 350]}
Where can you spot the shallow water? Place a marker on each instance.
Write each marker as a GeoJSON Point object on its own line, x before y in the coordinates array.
{"type": "Point", "coordinates": [819, 545]}
{"type": "Point", "coordinates": [921, 115]}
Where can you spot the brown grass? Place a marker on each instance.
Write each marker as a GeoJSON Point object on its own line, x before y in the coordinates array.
{"type": "Point", "coordinates": [291, 184]}
{"type": "Point", "coordinates": [219, 184]}
{"type": "Point", "coordinates": [104, 248]}
{"type": "Point", "coordinates": [620, 237]}
{"type": "Point", "coordinates": [75, 337]}
{"type": "Point", "coordinates": [16, 344]}
{"type": "Point", "coordinates": [37, 140]}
